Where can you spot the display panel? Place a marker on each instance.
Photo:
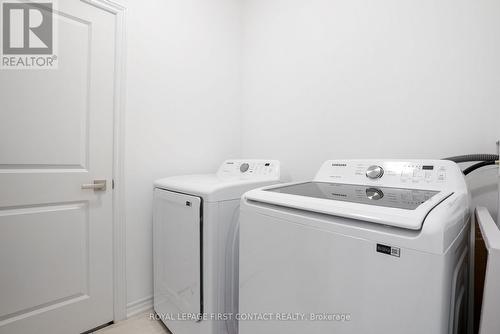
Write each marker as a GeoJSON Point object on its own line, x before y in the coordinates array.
{"type": "Point", "coordinates": [408, 199]}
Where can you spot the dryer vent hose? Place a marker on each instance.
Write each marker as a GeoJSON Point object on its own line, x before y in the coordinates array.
{"type": "Point", "coordinates": [473, 157]}
{"type": "Point", "coordinates": [479, 165]}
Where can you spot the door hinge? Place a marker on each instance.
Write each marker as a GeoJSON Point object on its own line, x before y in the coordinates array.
{"type": "Point", "coordinates": [112, 184]}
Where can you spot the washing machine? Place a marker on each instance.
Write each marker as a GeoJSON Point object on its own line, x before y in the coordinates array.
{"type": "Point", "coordinates": [367, 246]}
{"type": "Point", "coordinates": [195, 245]}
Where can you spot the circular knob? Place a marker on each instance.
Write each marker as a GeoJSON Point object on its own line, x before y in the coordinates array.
{"type": "Point", "coordinates": [374, 172]}
{"type": "Point", "coordinates": [374, 194]}
{"type": "Point", "coordinates": [244, 167]}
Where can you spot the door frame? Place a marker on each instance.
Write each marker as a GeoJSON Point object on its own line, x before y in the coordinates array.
{"type": "Point", "coordinates": [118, 183]}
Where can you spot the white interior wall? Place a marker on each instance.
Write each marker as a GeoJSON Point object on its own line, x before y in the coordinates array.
{"type": "Point", "coordinates": [327, 79]}
{"type": "Point", "coordinates": [321, 79]}
{"type": "Point", "coordinates": [182, 113]}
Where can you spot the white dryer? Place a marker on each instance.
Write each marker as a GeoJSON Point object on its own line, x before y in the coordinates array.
{"type": "Point", "coordinates": [195, 243]}
{"type": "Point", "coordinates": [369, 246]}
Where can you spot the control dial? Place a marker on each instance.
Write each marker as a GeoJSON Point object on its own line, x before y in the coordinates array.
{"type": "Point", "coordinates": [244, 167]}
{"type": "Point", "coordinates": [374, 194]}
{"type": "Point", "coordinates": [374, 172]}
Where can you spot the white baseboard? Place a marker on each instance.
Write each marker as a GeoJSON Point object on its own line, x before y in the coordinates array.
{"type": "Point", "coordinates": [140, 306]}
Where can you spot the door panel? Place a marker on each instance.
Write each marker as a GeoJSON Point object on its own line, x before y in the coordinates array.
{"type": "Point", "coordinates": [56, 133]}
{"type": "Point", "coordinates": [27, 244]}
{"type": "Point", "coordinates": [26, 124]}
{"type": "Point", "coordinates": [177, 252]}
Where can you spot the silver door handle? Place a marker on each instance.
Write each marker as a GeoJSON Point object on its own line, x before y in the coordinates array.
{"type": "Point", "coordinates": [98, 185]}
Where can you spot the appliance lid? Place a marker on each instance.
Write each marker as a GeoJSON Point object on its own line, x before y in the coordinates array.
{"type": "Point", "coordinates": [397, 207]}
{"type": "Point", "coordinates": [233, 178]}
{"type": "Point", "coordinates": [211, 187]}
{"type": "Point", "coordinates": [402, 198]}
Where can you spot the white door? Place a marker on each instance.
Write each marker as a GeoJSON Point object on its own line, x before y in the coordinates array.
{"type": "Point", "coordinates": [56, 133]}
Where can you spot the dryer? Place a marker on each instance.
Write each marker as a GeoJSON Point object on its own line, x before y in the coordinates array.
{"type": "Point", "coordinates": [368, 246]}
{"type": "Point", "coordinates": [195, 245]}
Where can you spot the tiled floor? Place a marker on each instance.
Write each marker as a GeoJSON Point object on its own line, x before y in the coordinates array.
{"type": "Point", "coordinates": [139, 324]}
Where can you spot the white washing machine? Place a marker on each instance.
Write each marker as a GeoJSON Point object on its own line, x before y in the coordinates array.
{"type": "Point", "coordinates": [195, 245]}
{"type": "Point", "coordinates": [369, 246]}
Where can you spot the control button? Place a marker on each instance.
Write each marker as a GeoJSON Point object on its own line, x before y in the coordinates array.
{"type": "Point", "coordinates": [406, 172]}
{"type": "Point", "coordinates": [374, 172]}
{"type": "Point", "coordinates": [417, 173]}
{"type": "Point", "coordinates": [374, 194]}
{"type": "Point", "coordinates": [244, 167]}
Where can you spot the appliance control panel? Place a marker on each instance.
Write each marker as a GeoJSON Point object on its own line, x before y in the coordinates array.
{"type": "Point", "coordinates": [430, 174]}
{"type": "Point", "coordinates": [250, 169]}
